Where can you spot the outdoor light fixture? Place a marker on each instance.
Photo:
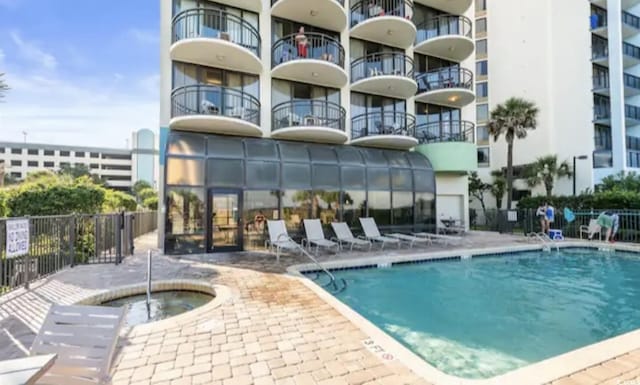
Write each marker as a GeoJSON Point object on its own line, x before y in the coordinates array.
{"type": "Point", "coordinates": [453, 98]}
{"type": "Point", "coordinates": [581, 157]}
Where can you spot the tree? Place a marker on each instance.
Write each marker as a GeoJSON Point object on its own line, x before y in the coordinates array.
{"type": "Point", "coordinates": [545, 170]}
{"type": "Point", "coordinates": [141, 185]}
{"type": "Point", "coordinates": [512, 119]}
{"type": "Point", "coordinates": [477, 189]}
{"type": "Point", "coordinates": [498, 187]}
{"type": "Point", "coordinates": [3, 86]}
{"type": "Point", "coordinates": [621, 181]}
{"type": "Point", "coordinates": [75, 171]}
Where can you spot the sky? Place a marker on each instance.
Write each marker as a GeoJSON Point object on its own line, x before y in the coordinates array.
{"type": "Point", "coordinates": [81, 72]}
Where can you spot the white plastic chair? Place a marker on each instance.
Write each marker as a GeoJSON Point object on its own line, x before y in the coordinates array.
{"type": "Point", "coordinates": [411, 239]}
{"type": "Point", "coordinates": [591, 230]}
{"type": "Point", "coordinates": [315, 236]}
{"type": "Point", "coordinates": [344, 235]}
{"type": "Point", "coordinates": [279, 238]}
{"type": "Point", "coordinates": [372, 233]}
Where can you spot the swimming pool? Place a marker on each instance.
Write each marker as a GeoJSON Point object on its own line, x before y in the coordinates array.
{"type": "Point", "coordinates": [481, 317]}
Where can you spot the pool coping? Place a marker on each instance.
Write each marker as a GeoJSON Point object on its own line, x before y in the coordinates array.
{"type": "Point", "coordinates": [540, 372]}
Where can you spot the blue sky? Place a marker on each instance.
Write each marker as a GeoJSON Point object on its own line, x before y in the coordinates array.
{"type": "Point", "coordinates": [81, 72]}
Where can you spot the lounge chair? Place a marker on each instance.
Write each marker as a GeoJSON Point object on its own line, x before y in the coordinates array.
{"type": "Point", "coordinates": [84, 338]}
{"type": "Point", "coordinates": [344, 235]}
{"type": "Point", "coordinates": [591, 230]}
{"type": "Point", "coordinates": [279, 238]}
{"type": "Point", "coordinates": [315, 236]}
{"type": "Point", "coordinates": [372, 233]}
{"type": "Point", "coordinates": [445, 239]}
{"type": "Point", "coordinates": [411, 239]}
{"type": "Point", "coordinates": [450, 227]}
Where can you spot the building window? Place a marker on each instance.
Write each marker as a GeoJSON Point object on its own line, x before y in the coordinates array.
{"type": "Point", "coordinates": [65, 153]}
{"type": "Point", "coordinates": [32, 151]}
{"type": "Point", "coordinates": [481, 27]}
{"type": "Point", "coordinates": [32, 163]}
{"type": "Point", "coordinates": [483, 157]}
{"type": "Point", "coordinates": [481, 47]}
{"type": "Point", "coordinates": [17, 175]}
{"type": "Point", "coordinates": [117, 156]}
{"type": "Point", "coordinates": [482, 68]}
{"type": "Point", "coordinates": [482, 90]}
{"type": "Point", "coordinates": [16, 151]}
{"type": "Point", "coordinates": [185, 220]}
{"type": "Point", "coordinates": [116, 167]}
{"type": "Point", "coordinates": [94, 165]}
{"type": "Point", "coordinates": [516, 195]}
{"type": "Point", "coordinates": [79, 154]}
{"type": "Point", "coordinates": [483, 135]}
{"type": "Point", "coordinates": [16, 163]}
{"type": "Point", "coordinates": [49, 152]}
{"type": "Point", "coordinates": [48, 164]}
{"type": "Point", "coordinates": [94, 155]}
{"type": "Point", "coordinates": [481, 5]}
{"type": "Point", "coordinates": [482, 112]}
{"type": "Point", "coordinates": [65, 164]}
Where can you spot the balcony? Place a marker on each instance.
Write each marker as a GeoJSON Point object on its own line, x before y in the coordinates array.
{"type": "Point", "coordinates": [214, 109]}
{"type": "Point", "coordinates": [601, 84]}
{"type": "Point", "coordinates": [395, 130]}
{"type": "Point", "coordinates": [317, 59]}
{"type": "Point", "coordinates": [626, 4]}
{"type": "Point", "coordinates": [633, 152]}
{"type": "Point", "coordinates": [384, 73]}
{"type": "Point", "coordinates": [215, 38]}
{"type": "Point", "coordinates": [456, 7]}
{"type": "Point", "coordinates": [309, 121]}
{"type": "Point", "coordinates": [602, 158]}
{"type": "Point", "coordinates": [631, 115]}
{"type": "Point", "coordinates": [440, 140]}
{"type": "Point", "coordinates": [448, 37]}
{"type": "Point", "coordinates": [631, 85]}
{"type": "Point", "coordinates": [598, 20]}
{"type": "Point", "coordinates": [384, 21]}
{"type": "Point", "coordinates": [630, 55]}
{"type": "Point", "coordinates": [450, 86]}
{"type": "Point", "coordinates": [630, 25]}
{"type": "Point", "coordinates": [599, 50]}
{"type": "Point", "coordinates": [327, 14]}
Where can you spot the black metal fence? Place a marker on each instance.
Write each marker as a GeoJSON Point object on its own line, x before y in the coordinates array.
{"type": "Point", "coordinates": [526, 222]}
{"type": "Point", "coordinates": [56, 242]}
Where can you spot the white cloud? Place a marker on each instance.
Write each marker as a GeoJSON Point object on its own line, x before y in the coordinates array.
{"type": "Point", "coordinates": [143, 36]}
{"type": "Point", "coordinates": [30, 51]}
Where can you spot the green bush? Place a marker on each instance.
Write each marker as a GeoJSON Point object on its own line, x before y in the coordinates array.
{"type": "Point", "coordinates": [613, 199]}
{"type": "Point", "coordinates": [151, 203]}
{"type": "Point", "coordinates": [115, 201]}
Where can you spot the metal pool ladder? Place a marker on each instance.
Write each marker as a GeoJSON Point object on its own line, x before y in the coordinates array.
{"type": "Point", "coordinates": [546, 241]}
{"type": "Point", "coordinates": [335, 285]}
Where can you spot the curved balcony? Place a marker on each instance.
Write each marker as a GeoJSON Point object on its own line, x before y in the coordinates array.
{"type": "Point", "coordinates": [456, 7]}
{"type": "Point", "coordinates": [439, 140]}
{"type": "Point", "coordinates": [394, 130]}
{"type": "Point", "coordinates": [451, 86]}
{"type": "Point", "coordinates": [447, 36]}
{"type": "Point", "coordinates": [214, 109]}
{"type": "Point", "coordinates": [313, 58]}
{"type": "Point", "coordinates": [215, 38]}
{"type": "Point", "coordinates": [310, 121]}
{"type": "Point", "coordinates": [384, 21]}
{"type": "Point", "coordinates": [327, 14]}
{"type": "Point", "coordinates": [384, 73]}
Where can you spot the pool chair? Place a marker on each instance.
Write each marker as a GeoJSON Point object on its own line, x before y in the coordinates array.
{"type": "Point", "coordinates": [315, 236]}
{"type": "Point", "coordinates": [84, 339]}
{"type": "Point", "coordinates": [591, 230]}
{"type": "Point", "coordinates": [411, 239]}
{"type": "Point", "coordinates": [279, 239]}
{"type": "Point", "coordinates": [444, 239]}
{"type": "Point", "coordinates": [344, 235]}
{"type": "Point", "coordinates": [372, 233]}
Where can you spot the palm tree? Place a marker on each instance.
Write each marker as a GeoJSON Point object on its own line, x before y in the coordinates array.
{"type": "Point", "coordinates": [544, 170]}
{"type": "Point", "coordinates": [498, 187]}
{"type": "Point", "coordinates": [512, 119]}
{"type": "Point", "coordinates": [3, 86]}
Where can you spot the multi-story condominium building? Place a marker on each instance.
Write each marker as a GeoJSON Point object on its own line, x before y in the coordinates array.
{"type": "Point", "coordinates": [119, 168]}
{"type": "Point", "coordinates": [578, 61]}
{"type": "Point", "coordinates": [312, 109]}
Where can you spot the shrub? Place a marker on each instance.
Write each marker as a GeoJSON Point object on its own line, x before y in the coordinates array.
{"type": "Point", "coordinates": [151, 203]}
{"type": "Point", "coordinates": [613, 199]}
{"type": "Point", "coordinates": [118, 201]}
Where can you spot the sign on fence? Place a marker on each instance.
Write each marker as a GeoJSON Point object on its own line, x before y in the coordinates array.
{"type": "Point", "coordinates": [512, 216]}
{"type": "Point", "coordinates": [17, 237]}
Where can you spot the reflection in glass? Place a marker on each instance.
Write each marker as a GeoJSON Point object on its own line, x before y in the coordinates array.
{"type": "Point", "coordinates": [296, 206]}
{"type": "Point", "coordinates": [325, 206]}
{"type": "Point", "coordinates": [184, 221]}
{"type": "Point", "coordinates": [354, 207]}
{"type": "Point", "coordinates": [380, 207]}
{"type": "Point", "coordinates": [224, 220]}
{"type": "Point", "coordinates": [259, 206]}
{"type": "Point", "coordinates": [188, 172]}
{"type": "Point", "coordinates": [402, 203]}
{"type": "Point", "coordinates": [425, 212]}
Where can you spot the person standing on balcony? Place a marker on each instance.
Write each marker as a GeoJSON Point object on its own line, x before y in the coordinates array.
{"type": "Point", "coordinates": [302, 43]}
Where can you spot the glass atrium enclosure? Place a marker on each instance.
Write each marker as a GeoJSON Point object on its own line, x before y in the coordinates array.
{"type": "Point", "coordinates": [220, 190]}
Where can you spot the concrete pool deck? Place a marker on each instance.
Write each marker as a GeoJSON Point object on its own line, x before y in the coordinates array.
{"type": "Point", "coordinates": [273, 329]}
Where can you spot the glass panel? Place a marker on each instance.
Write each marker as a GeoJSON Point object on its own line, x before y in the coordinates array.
{"type": "Point", "coordinates": [225, 173]}
{"type": "Point", "coordinates": [296, 175]}
{"type": "Point", "coordinates": [184, 227]}
{"type": "Point", "coordinates": [280, 92]}
{"type": "Point", "coordinates": [483, 157]}
{"type": "Point", "coordinates": [220, 146]}
{"type": "Point", "coordinates": [224, 220]}
{"type": "Point", "coordinates": [378, 178]}
{"type": "Point", "coordinates": [482, 112]}
{"type": "Point", "coordinates": [325, 206]}
{"type": "Point", "coordinates": [380, 207]}
{"type": "Point", "coordinates": [375, 158]}
{"type": "Point", "coordinates": [349, 155]}
{"type": "Point", "coordinates": [322, 154]}
{"type": "Point", "coordinates": [185, 144]}
{"type": "Point", "coordinates": [296, 206]}
{"type": "Point", "coordinates": [481, 47]}
{"type": "Point", "coordinates": [259, 206]}
{"type": "Point", "coordinates": [353, 177]}
{"type": "Point", "coordinates": [185, 171]}
{"type": "Point", "coordinates": [483, 135]}
{"type": "Point", "coordinates": [401, 179]}
{"type": "Point", "coordinates": [261, 149]}
{"type": "Point", "coordinates": [397, 158]}
{"type": "Point", "coordinates": [325, 176]}
{"type": "Point", "coordinates": [354, 207]}
{"type": "Point", "coordinates": [402, 203]}
{"type": "Point", "coordinates": [425, 212]}
{"type": "Point", "coordinates": [418, 160]}
{"type": "Point", "coordinates": [424, 180]}
{"type": "Point", "coordinates": [290, 152]}
{"type": "Point", "coordinates": [263, 174]}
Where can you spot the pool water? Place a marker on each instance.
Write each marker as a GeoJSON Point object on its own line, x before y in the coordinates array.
{"type": "Point", "coordinates": [482, 317]}
{"type": "Point", "coordinates": [163, 305]}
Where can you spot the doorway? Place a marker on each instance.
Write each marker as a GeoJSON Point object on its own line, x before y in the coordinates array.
{"type": "Point", "coordinates": [225, 221]}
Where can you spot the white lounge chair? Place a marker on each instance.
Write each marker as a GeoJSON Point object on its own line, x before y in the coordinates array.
{"type": "Point", "coordinates": [372, 233]}
{"type": "Point", "coordinates": [315, 236]}
{"type": "Point", "coordinates": [84, 338]}
{"type": "Point", "coordinates": [445, 239]}
{"type": "Point", "coordinates": [344, 235]}
{"type": "Point", "coordinates": [411, 239]}
{"type": "Point", "coordinates": [591, 230]}
{"type": "Point", "coordinates": [279, 238]}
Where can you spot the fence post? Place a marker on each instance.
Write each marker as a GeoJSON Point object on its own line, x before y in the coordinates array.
{"type": "Point", "coordinates": [118, 227]}
{"type": "Point", "coordinates": [71, 225]}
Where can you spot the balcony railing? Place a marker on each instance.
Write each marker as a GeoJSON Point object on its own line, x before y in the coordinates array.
{"type": "Point", "coordinates": [383, 123]}
{"type": "Point", "coordinates": [318, 113]}
{"type": "Point", "coordinates": [602, 158]}
{"type": "Point", "coordinates": [216, 24]}
{"type": "Point", "coordinates": [633, 143]}
{"type": "Point", "coordinates": [443, 78]}
{"type": "Point", "coordinates": [341, 2]}
{"type": "Point", "coordinates": [382, 63]}
{"type": "Point", "coordinates": [633, 159]}
{"type": "Point", "coordinates": [631, 50]}
{"type": "Point", "coordinates": [632, 112]}
{"type": "Point", "coordinates": [446, 131]}
{"type": "Point", "coordinates": [601, 112]}
{"type": "Point", "coordinates": [601, 81]}
{"type": "Point", "coordinates": [631, 81]}
{"type": "Point", "coordinates": [215, 101]}
{"type": "Point", "coordinates": [631, 20]}
{"type": "Point", "coordinates": [367, 9]}
{"type": "Point", "coordinates": [599, 47]}
{"type": "Point", "coordinates": [442, 26]}
{"type": "Point", "coordinates": [309, 45]}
